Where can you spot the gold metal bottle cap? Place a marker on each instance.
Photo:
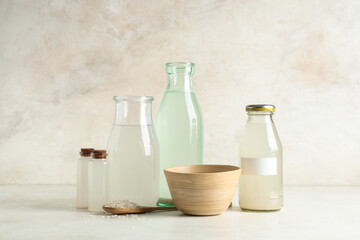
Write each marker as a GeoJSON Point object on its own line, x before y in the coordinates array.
{"type": "Point", "coordinates": [260, 107]}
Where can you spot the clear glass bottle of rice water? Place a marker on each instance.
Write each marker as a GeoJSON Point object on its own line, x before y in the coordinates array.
{"type": "Point", "coordinates": [260, 152]}
{"type": "Point", "coordinates": [179, 124]}
{"type": "Point", "coordinates": [133, 152]}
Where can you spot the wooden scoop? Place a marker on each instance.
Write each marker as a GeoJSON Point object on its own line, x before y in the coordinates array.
{"type": "Point", "coordinates": [140, 209]}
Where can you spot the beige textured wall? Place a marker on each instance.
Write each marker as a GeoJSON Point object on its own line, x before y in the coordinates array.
{"type": "Point", "coordinates": [62, 61]}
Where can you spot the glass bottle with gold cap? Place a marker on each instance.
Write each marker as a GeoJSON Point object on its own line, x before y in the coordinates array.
{"type": "Point", "coordinates": [260, 157]}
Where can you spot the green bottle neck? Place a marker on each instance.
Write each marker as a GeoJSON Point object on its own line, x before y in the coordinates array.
{"type": "Point", "coordinates": [180, 82]}
{"type": "Point", "coordinates": [180, 76]}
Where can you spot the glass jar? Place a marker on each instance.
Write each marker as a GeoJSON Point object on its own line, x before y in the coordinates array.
{"type": "Point", "coordinates": [97, 181]}
{"type": "Point", "coordinates": [82, 178]}
{"type": "Point", "coordinates": [179, 125]}
{"type": "Point", "coordinates": [133, 171]}
{"type": "Point", "coordinates": [260, 152]}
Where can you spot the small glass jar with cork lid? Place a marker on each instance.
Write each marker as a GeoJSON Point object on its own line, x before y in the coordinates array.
{"type": "Point", "coordinates": [97, 181]}
{"type": "Point", "coordinates": [82, 178]}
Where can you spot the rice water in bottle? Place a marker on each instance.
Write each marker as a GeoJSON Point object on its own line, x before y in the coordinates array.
{"type": "Point", "coordinates": [179, 125]}
{"type": "Point", "coordinates": [133, 161]}
{"type": "Point", "coordinates": [260, 157]}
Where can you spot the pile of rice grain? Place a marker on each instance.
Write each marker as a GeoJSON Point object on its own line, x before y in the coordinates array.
{"type": "Point", "coordinates": [122, 204]}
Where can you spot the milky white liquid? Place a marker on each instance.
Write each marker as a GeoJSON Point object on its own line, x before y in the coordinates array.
{"type": "Point", "coordinates": [82, 183]}
{"type": "Point", "coordinates": [133, 164]}
{"type": "Point", "coordinates": [97, 185]}
{"type": "Point", "coordinates": [261, 192]}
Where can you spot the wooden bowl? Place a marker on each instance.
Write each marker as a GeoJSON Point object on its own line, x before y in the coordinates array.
{"type": "Point", "coordinates": [202, 189]}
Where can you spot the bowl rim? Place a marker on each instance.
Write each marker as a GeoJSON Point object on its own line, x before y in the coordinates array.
{"type": "Point", "coordinates": [171, 169]}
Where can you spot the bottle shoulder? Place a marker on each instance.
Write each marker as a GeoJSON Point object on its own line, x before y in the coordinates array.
{"type": "Point", "coordinates": [179, 106]}
{"type": "Point", "coordinates": [260, 138]}
{"type": "Point", "coordinates": [139, 137]}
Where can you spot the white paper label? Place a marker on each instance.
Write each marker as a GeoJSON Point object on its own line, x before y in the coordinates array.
{"type": "Point", "coordinates": [259, 166]}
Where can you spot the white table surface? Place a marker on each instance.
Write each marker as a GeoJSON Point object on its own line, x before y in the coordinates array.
{"type": "Point", "coordinates": [48, 212]}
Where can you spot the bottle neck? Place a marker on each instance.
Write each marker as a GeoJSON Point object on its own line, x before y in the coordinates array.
{"type": "Point", "coordinates": [130, 112]}
{"type": "Point", "coordinates": [98, 159]}
{"type": "Point", "coordinates": [180, 76]}
{"type": "Point", "coordinates": [180, 82]}
{"type": "Point", "coordinates": [260, 116]}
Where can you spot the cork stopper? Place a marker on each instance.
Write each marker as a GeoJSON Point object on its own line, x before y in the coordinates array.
{"type": "Point", "coordinates": [99, 154]}
{"type": "Point", "coordinates": [86, 152]}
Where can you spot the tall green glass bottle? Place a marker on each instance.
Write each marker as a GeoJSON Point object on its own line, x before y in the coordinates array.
{"type": "Point", "coordinates": [179, 125]}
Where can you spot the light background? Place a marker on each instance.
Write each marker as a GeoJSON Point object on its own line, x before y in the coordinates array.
{"type": "Point", "coordinates": [61, 62]}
